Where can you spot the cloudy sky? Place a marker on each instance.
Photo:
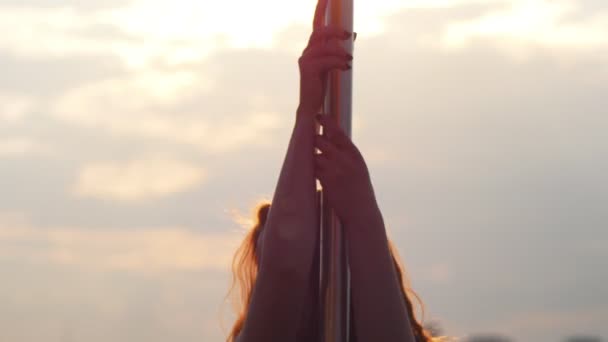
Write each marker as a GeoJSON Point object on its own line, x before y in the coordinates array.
{"type": "Point", "coordinates": [136, 136]}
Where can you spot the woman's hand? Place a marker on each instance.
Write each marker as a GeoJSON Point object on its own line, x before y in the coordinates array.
{"type": "Point", "coordinates": [323, 53]}
{"type": "Point", "coordinates": [343, 174]}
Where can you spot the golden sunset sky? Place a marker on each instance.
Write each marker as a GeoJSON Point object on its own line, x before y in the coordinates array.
{"type": "Point", "coordinates": [136, 137]}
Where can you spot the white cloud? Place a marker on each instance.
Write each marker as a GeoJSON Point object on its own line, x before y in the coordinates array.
{"type": "Point", "coordinates": [143, 106]}
{"type": "Point", "coordinates": [13, 107]}
{"type": "Point", "coordinates": [137, 180]}
{"type": "Point", "coordinates": [56, 31]}
{"type": "Point", "coordinates": [532, 23]}
{"type": "Point", "coordinates": [133, 250]}
{"type": "Point", "coordinates": [21, 147]}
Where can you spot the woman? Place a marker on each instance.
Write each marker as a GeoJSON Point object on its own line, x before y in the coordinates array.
{"type": "Point", "coordinates": [274, 265]}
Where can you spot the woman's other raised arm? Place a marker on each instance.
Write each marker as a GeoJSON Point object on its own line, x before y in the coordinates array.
{"type": "Point", "coordinates": [380, 312]}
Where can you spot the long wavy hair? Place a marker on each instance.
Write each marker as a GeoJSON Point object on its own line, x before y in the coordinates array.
{"type": "Point", "coordinates": [245, 271]}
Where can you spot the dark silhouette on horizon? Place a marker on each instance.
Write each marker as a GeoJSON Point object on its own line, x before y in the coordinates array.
{"type": "Point", "coordinates": [488, 338]}
{"type": "Point", "coordinates": [584, 338]}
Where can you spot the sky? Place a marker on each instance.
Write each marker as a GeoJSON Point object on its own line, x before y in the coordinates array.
{"type": "Point", "coordinates": [137, 136]}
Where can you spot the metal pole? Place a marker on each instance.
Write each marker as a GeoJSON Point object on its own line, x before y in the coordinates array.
{"type": "Point", "coordinates": [334, 272]}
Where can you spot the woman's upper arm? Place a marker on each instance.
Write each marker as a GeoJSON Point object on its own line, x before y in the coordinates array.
{"type": "Point", "coordinates": [277, 297]}
{"type": "Point", "coordinates": [288, 244]}
{"type": "Point", "coordinates": [275, 306]}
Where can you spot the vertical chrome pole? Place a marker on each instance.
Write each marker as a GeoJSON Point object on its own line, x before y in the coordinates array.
{"type": "Point", "coordinates": [334, 272]}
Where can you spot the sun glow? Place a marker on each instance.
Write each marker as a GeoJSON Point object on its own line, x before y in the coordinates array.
{"type": "Point", "coordinates": [143, 32]}
{"type": "Point", "coordinates": [187, 30]}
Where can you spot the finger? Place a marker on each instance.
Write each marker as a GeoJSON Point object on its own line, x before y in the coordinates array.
{"type": "Point", "coordinates": [321, 165]}
{"type": "Point", "coordinates": [334, 132]}
{"type": "Point", "coordinates": [328, 32]}
{"type": "Point", "coordinates": [329, 49]}
{"type": "Point", "coordinates": [326, 146]}
{"type": "Point", "coordinates": [321, 177]}
{"type": "Point", "coordinates": [319, 14]}
{"type": "Point", "coordinates": [324, 64]}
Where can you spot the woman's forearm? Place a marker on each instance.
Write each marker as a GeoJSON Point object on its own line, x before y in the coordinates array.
{"type": "Point", "coordinates": [290, 236]}
{"type": "Point", "coordinates": [380, 313]}
{"type": "Point", "coordinates": [288, 245]}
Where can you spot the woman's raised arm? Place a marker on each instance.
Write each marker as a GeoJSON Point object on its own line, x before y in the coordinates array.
{"type": "Point", "coordinates": [380, 312]}
{"type": "Point", "coordinates": [289, 237]}
{"type": "Point", "coordinates": [288, 241]}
